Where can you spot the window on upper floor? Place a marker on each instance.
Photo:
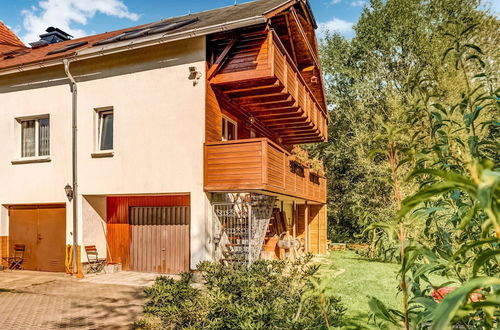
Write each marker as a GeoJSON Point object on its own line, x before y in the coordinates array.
{"type": "Point", "coordinates": [104, 130]}
{"type": "Point", "coordinates": [229, 129]}
{"type": "Point", "coordinates": [35, 136]}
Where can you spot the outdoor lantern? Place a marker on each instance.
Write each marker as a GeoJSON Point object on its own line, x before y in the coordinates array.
{"type": "Point", "coordinates": [194, 75]}
{"type": "Point", "coordinates": [69, 192]}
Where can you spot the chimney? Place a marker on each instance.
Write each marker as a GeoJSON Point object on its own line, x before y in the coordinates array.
{"type": "Point", "coordinates": [55, 35]}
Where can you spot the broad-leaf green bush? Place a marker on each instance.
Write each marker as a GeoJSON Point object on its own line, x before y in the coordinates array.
{"type": "Point", "coordinates": [266, 295]}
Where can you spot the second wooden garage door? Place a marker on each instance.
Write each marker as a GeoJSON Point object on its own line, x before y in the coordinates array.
{"type": "Point", "coordinates": [160, 239]}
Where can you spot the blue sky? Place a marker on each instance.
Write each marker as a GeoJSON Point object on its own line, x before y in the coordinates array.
{"type": "Point", "coordinates": [29, 18]}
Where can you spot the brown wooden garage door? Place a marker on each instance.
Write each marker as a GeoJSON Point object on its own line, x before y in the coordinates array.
{"type": "Point", "coordinates": [160, 239]}
{"type": "Point", "coordinates": [42, 229]}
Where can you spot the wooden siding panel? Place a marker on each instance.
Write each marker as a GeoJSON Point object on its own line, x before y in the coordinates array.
{"type": "Point", "coordinates": [276, 167]}
{"type": "Point", "coordinates": [256, 164]}
{"type": "Point", "coordinates": [213, 116]}
{"type": "Point", "coordinates": [314, 228]}
{"type": "Point", "coordinates": [233, 164]}
{"type": "Point", "coordinates": [323, 228]}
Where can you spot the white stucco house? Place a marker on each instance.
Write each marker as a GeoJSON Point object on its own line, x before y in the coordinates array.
{"type": "Point", "coordinates": [139, 141]}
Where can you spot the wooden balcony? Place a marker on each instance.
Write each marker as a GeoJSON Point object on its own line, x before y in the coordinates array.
{"type": "Point", "coordinates": [258, 165]}
{"type": "Point", "coordinates": [260, 76]}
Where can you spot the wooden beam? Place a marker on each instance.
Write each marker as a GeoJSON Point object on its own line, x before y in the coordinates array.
{"type": "Point", "coordinates": [304, 37]}
{"type": "Point", "coordinates": [304, 9]}
{"type": "Point", "coordinates": [278, 10]}
{"type": "Point", "coordinates": [290, 37]}
{"type": "Point", "coordinates": [219, 62]}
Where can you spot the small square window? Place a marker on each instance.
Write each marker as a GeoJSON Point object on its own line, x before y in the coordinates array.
{"type": "Point", "coordinates": [105, 130]}
{"type": "Point", "coordinates": [35, 137]}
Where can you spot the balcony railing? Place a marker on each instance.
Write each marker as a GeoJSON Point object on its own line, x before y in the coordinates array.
{"type": "Point", "coordinates": [259, 165]}
{"type": "Point", "coordinates": [251, 78]}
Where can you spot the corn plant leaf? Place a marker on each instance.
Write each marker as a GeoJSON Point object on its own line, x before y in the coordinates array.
{"type": "Point", "coordinates": [476, 48]}
{"type": "Point", "coordinates": [389, 229]}
{"type": "Point", "coordinates": [488, 188]}
{"type": "Point", "coordinates": [469, 29]}
{"type": "Point", "coordinates": [483, 258]}
{"type": "Point", "coordinates": [466, 219]}
{"type": "Point", "coordinates": [450, 305]}
{"type": "Point", "coordinates": [466, 248]}
{"type": "Point", "coordinates": [423, 195]}
{"type": "Point", "coordinates": [380, 311]}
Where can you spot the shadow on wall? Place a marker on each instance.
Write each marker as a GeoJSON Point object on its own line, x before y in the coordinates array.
{"type": "Point", "coordinates": [94, 224]}
{"type": "Point", "coordinates": [183, 52]}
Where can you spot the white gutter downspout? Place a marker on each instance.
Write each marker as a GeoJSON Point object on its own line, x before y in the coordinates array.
{"type": "Point", "coordinates": [74, 94]}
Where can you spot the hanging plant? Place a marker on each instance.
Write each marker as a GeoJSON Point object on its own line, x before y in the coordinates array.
{"type": "Point", "coordinates": [300, 156]}
{"type": "Point", "coordinates": [316, 167]}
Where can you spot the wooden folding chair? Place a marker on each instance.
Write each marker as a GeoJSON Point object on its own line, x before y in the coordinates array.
{"type": "Point", "coordinates": [16, 261]}
{"type": "Point", "coordinates": [96, 264]}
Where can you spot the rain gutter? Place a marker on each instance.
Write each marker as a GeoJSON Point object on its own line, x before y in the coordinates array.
{"type": "Point", "coordinates": [121, 46]}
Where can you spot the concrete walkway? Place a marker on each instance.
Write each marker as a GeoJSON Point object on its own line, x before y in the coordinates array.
{"type": "Point", "coordinates": [40, 300]}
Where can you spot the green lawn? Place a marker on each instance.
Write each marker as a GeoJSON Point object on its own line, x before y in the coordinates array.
{"type": "Point", "coordinates": [355, 279]}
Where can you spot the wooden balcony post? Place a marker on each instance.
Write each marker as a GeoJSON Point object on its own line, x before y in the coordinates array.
{"type": "Point", "coordinates": [271, 51]}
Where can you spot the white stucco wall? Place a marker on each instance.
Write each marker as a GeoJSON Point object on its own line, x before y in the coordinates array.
{"type": "Point", "coordinates": [94, 223]}
{"type": "Point", "coordinates": [159, 129]}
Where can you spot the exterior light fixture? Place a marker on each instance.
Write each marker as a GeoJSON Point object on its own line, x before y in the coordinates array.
{"type": "Point", "coordinates": [194, 75]}
{"type": "Point", "coordinates": [314, 79]}
{"type": "Point", "coordinates": [69, 192]}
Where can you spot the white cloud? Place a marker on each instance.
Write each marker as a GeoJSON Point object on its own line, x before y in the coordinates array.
{"type": "Point", "coordinates": [334, 2]}
{"type": "Point", "coordinates": [359, 3]}
{"type": "Point", "coordinates": [335, 25]}
{"type": "Point", "coordinates": [64, 13]}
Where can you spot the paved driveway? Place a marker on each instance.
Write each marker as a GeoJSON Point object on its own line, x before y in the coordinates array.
{"type": "Point", "coordinates": [37, 300]}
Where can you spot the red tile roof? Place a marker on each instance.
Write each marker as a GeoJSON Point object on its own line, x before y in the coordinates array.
{"type": "Point", "coordinates": [8, 40]}
{"type": "Point", "coordinates": [215, 17]}
{"type": "Point", "coordinates": [39, 55]}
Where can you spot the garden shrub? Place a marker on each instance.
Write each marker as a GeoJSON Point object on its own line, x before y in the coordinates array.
{"type": "Point", "coordinates": [266, 295]}
{"type": "Point", "coordinates": [174, 302]}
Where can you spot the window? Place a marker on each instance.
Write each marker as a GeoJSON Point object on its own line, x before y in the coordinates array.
{"type": "Point", "coordinates": [35, 137]}
{"type": "Point", "coordinates": [105, 130]}
{"type": "Point", "coordinates": [228, 129]}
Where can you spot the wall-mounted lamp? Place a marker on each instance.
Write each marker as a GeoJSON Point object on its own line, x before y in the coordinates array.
{"type": "Point", "coordinates": [250, 121]}
{"type": "Point", "coordinates": [314, 79]}
{"type": "Point", "coordinates": [69, 192]}
{"type": "Point", "coordinates": [194, 75]}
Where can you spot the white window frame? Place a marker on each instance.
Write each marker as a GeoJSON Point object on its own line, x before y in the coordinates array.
{"type": "Point", "coordinates": [98, 130]}
{"type": "Point", "coordinates": [224, 138]}
{"type": "Point", "coordinates": [19, 158]}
